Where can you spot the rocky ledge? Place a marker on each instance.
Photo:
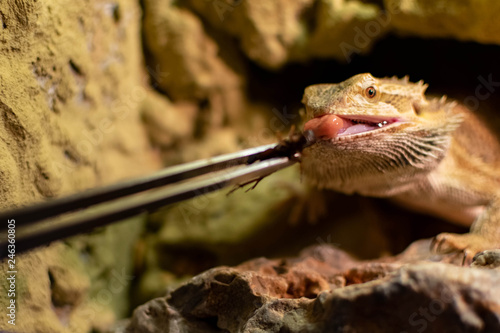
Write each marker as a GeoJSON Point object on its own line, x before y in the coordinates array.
{"type": "Point", "coordinates": [326, 290]}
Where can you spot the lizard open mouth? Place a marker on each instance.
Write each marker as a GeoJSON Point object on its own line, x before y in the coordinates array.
{"type": "Point", "coordinates": [329, 126]}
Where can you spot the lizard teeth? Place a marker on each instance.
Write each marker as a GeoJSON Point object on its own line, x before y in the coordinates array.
{"type": "Point", "coordinates": [358, 126]}
{"type": "Point", "coordinates": [353, 137]}
{"type": "Point", "coordinates": [380, 124]}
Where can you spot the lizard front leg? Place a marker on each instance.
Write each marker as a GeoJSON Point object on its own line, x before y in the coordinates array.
{"type": "Point", "coordinates": [481, 246]}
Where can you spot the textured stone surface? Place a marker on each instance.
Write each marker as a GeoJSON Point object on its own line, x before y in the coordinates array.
{"type": "Point", "coordinates": [468, 20]}
{"type": "Point", "coordinates": [324, 290]}
{"type": "Point", "coordinates": [76, 111]}
{"type": "Point", "coordinates": [188, 63]}
{"type": "Point", "coordinates": [72, 85]}
{"type": "Point", "coordinates": [267, 31]}
{"type": "Point", "coordinates": [273, 33]}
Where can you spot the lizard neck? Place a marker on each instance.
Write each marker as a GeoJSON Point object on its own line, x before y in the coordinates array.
{"type": "Point", "coordinates": [381, 166]}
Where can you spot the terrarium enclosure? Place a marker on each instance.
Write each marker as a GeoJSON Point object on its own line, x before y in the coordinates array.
{"type": "Point", "coordinates": [94, 92]}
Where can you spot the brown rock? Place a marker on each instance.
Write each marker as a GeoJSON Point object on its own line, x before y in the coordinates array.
{"type": "Point", "coordinates": [268, 31]}
{"type": "Point", "coordinates": [188, 64]}
{"type": "Point", "coordinates": [71, 89]}
{"type": "Point", "coordinates": [309, 294]}
{"type": "Point", "coordinates": [272, 33]}
{"type": "Point", "coordinates": [464, 20]}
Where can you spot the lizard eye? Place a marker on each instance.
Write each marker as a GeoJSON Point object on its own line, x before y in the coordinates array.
{"type": "Point", "coordinates": [371, 92]}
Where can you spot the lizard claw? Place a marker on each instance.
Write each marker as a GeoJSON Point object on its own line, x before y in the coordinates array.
{"type": "Point", "coordinates": [488, 258]}
{"type": "Point", "coordinates": [445, 243]}
{"type": "Point", "coordinates": [468, 246]}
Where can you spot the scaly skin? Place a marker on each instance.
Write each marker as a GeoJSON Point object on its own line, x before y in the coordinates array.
{"type": "Point", "coordinates": [436, 158]}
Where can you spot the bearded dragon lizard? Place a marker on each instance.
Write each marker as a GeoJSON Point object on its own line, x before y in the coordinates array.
{"type": "Point", "coordinates": [384, 138]}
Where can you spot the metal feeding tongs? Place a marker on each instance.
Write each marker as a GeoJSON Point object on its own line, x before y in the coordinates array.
{"type": "Point", "coordinates": [60, 218]}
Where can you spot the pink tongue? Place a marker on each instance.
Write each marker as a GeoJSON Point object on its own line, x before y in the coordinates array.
{"type": "Point", "coordinates": [325, 127]}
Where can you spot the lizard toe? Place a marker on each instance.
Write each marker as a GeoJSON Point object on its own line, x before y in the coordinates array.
{"type": "Point", "coordinates": [467, 246]}
{"type": "Point", "coordinates": [445, 243]}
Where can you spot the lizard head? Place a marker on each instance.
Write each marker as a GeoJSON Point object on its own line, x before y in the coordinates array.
{"type": "Point", "coordinates": [374, 133]}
